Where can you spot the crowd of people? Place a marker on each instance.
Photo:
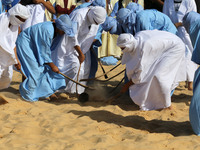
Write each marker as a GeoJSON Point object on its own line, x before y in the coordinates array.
{"type": "Point", "coordinates": [158, 40]}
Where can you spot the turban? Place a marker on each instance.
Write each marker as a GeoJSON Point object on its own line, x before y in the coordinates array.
{"type": "Point", "coordinates": [65, 24]}
{"type": "Point", "coordinates": [110, 25]}
{"type": "Point", "coordinates": [129, 43]}
{"type": "Point", "coordinates": [97, 14]}
{"type": "Point", "coordinates": [18, 10]}
{"type": "Point", "coordinates": [127, 19]}
{"type": "Point", "coordinates": [134, 7]}
{"type": "Point", "coordinates": [101, 3]}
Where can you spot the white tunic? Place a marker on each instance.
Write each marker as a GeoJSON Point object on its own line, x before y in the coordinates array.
{"type": "Point", "coordinates": [66, 57]}
{"type": "Point", "coordinates": [7, 45]}
{"type": "Point", "coordinates": [37, 15]}
{"type": "Point", "coordinates": [153, 68]}
{"type": "Point", "coordinates": [188, 68]}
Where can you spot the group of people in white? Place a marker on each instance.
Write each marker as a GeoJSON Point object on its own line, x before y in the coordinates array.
{"type": "Point", "coordinates": [156, 48]}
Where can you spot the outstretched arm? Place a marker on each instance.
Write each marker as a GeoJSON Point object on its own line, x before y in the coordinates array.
{"type": "Point", "coordinates": [47, 5]}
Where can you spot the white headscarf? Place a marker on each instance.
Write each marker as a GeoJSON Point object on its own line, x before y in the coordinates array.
{"type": "Point", "coordinates": [129, 43]}
{"type": "Point", "coordinates": [18, 10]}
{"type": "Point", "coordinates": [96, 13]}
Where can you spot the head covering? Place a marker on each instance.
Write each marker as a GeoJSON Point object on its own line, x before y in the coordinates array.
{"type": "Point", "coordinates": [101, 3]}
{"type": "Point", "coordinates": [110, 25]}
{"type": "Point", "coordinates": [134, 7]}
{"type": "Point", "coordinates": [191, 22]}
{"type": "Point", "coordinates": [122, 15]}
{"type": "Point", "coordinates": [7, 2]}
{"type": "Point", "coordinates": [127, 20]}
{"type": "Point", "coordinates": [65, 24]}
{"type": "Point", "coordinates": [96, 14]}
{"type": "Point", "coordinates": [129, 43]}
{"type": "Point", "coordinates": [18, 10]}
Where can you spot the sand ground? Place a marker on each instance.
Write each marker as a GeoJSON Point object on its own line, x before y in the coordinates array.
{"type": "Point", "coordinates": [70, 125]}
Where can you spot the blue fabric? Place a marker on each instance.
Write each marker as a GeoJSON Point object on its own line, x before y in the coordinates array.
{"type": "Point", "coordinates": [151, 19]}
{"type": "Point", "coordinates": [1, 7]}
{"type": "Point", "coordinates": [112, 26]}
{"type": "Point", "coordinates": [101, 3]}
{"type": "Point", "coordinates": [115, 10]}
{"type": "Point", "coordinates": [192, 24]}
{"type": "Point", "coordinates": [7, 2]}
{"type": "Point", "coordinates": [194, 111]}
{"type": "Point", "coordinates": [126, 18]}
{"type": "Point", "coordinates": [33, 50]}
{"type": "Point", "coordinates": [134, 7]}
{"type": "Point", "coordinates": [65, 24]}
{"type": "Point", "coordinates": [94, 62]}
{"type": "Point", "coordinates": [110, 60]}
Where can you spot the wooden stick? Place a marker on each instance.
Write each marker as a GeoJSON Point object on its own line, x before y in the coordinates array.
{"type": "Point", "coordinates": [117, 85]}
{"type": "Point", "coordinates": [77, 82]}
{"type": "Point", "coordinates": [111, 99]}
{"type": "Point", "coordinates": [112, 76]}
{"type": "Point", "coordinates": [102, 74]}
{"type": "Point", "coordinates": [99, 63]}
{"type": "Point", "coordinates": [22, 74]}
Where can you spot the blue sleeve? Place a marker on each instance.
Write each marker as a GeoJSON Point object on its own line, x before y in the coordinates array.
{"type": "Point", "coordinates": [115, 10]}
{"type": "Point", "coordinates": [98, 41]}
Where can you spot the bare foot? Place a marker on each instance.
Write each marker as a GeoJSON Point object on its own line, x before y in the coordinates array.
{"type": "Point", "coordinates": [53, 97]}
{"type": "Point", "coordinates": [190, 86]}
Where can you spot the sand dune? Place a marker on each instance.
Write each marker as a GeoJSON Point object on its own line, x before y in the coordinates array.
{"type": "Point", "coordinates": [69, 125]}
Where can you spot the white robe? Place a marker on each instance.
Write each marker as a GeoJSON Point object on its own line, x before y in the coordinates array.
{"type": "Point", "coordinates": [66, 57]}
{"type": "Point", "coordinates": [188, 68]}
{"type": "Point", "coordinates": [7, 55]}
{"type": "Point", "coordinates": [153, 68]}
{"type": "Point", "coordinates": [37, 15]}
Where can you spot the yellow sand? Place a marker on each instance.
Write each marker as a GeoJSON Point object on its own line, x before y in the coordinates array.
{"type": "Point", "coordinates": [70, 125]}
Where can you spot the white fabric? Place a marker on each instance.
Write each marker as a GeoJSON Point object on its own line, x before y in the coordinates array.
{"type": "Point", "coordinates": [7, 45]}
{"type": "Point", "coordinates": [37, 15]}
{"type": "Point", "coordinates": [6, 74]}
{"type": "Point", "coordinates": [97, 14]}
{"type": "Point", "coordinates": [188, 68]}
{"type": "Point", "coordinates": [7, 41]}
{"type": "Point", "coordinates": [128, 42]}
{"type": "Point", "coordinates": [66, 57]}
{"type": "Point", "coordinates": [19, 10]}
{"type": "Point", "coordinates": [153, 68]}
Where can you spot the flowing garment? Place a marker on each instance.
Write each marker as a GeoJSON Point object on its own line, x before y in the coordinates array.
{"type": "Point", "coordinates": [33, 50]}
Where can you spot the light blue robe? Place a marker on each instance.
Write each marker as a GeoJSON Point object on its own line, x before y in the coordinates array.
{"type": "Point", "coordinates": [191, 23]}
{"type": "Point", "coordinates": [33, 50]}
{"type": "Point", "coordinates": [151, 19]}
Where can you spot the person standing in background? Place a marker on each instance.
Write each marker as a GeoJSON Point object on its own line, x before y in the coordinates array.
{"type": "Point", "coordinates": [176, 10]}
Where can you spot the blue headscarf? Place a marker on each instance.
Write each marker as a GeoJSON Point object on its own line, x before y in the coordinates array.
{"type": "Point", "coordinates": [191, 22]}
{"type": "Point", "coordinates": [7, 2]}
{"type": "Point", "coordinates": [127, 20]}
{"type": "Point", "coordinates": [110, 25]}
{"type": "Point", "coordinates": [134, 7]}
{"type": "Point", "coordinates": [65, 24]}
{"type": "Point", "coordinates": [101, 3]}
